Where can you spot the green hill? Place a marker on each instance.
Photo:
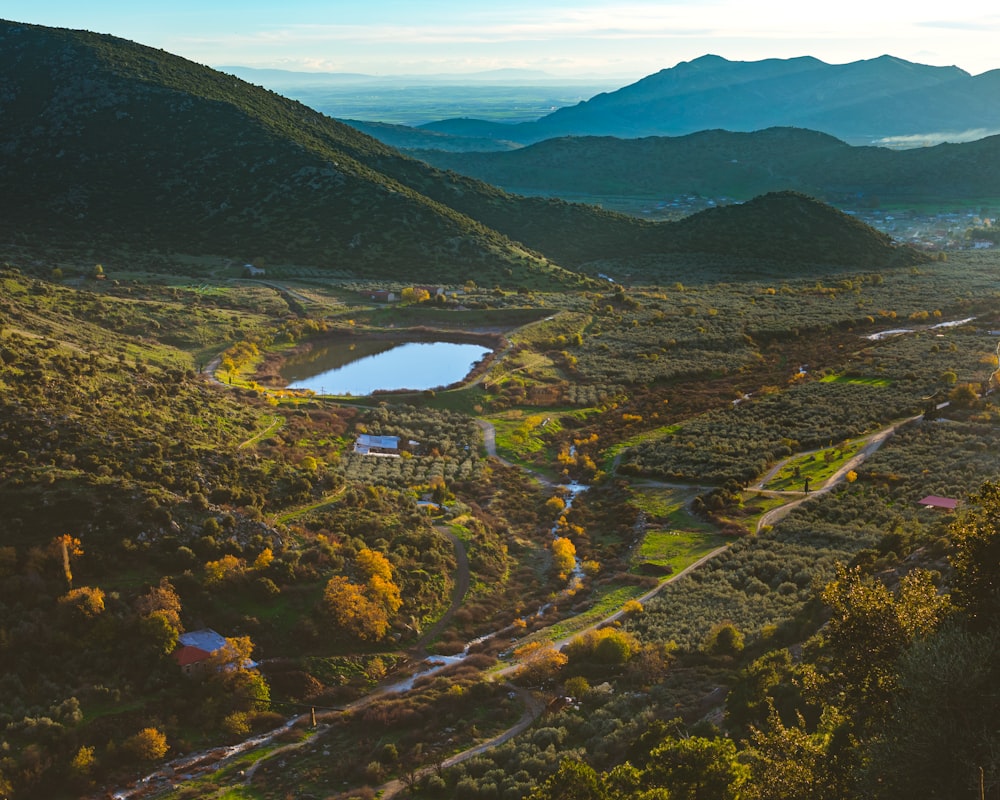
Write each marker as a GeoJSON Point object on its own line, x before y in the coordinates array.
{"type": "Point", "coordinates": [720, 163]}
{"type": "Point", "coordinates": [108, 144]}
{"type": "Point", "coordinates": [110, 147]}
{"type": "Point", "coordinates": [790, 228]}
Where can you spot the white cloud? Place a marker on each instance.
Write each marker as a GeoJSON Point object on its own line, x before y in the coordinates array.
{"type": "Point", "coordinates": [637, 37]}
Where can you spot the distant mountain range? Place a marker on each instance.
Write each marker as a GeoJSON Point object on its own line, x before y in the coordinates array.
{"type": "Point", "coordinates": [108, 147]}
{"type": "Point", "coordinates": [880, 100]}
{"type": "Point", "coordinates": [739, 166]}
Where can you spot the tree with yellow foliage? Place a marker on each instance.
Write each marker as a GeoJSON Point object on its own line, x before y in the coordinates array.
{"type": "Point", "coordinates": [149, 744]}
{"type": "Point", "coordinates": [224, 569]}
{"type": "Point", "coordinates": [563, 556]}
{"type": "Point", "coordinates": [539, 662]}
{"type": "Point", "coordinates": [263, 560]}
{"type": "Point", "coordinates": [604, 646]}
{"type": "Point", "coordinates": [85, 601]}
{"type": "Point", "coordinates": [556, 504]}
{"type": "Point", "coordinates": [371, 563]}
{"type": "Point", "coordinates": [413, 294]}
{"type": "Point", "coordinates": [364, 610]}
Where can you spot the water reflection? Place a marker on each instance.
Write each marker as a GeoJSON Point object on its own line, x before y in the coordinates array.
{"type": "Point", "coordinates": [361, 366]}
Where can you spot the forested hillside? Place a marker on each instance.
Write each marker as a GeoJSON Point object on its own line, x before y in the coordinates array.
{"type": "Point", "coordinates": [120, 149]}
{"type": "Point", "coordinates": [721, 163]}
{"type": "Point", "coordinates": [119, 146]}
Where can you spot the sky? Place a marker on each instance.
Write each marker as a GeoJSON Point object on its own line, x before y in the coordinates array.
{"type": "Point", "coordinates": [609, 38]}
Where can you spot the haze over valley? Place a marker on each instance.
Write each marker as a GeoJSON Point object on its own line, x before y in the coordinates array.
{"type": "Point", "coordinates": [701, 134]}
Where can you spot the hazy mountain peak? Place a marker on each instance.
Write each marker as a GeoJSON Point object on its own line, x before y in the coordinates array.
{"type": "Point", "coordinates": [860, 101]}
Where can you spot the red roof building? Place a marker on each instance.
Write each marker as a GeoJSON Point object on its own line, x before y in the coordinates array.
{"type": "Point", "coordinates": [945, 503]}
{"type": "Point", "coordinates": [196, 647]}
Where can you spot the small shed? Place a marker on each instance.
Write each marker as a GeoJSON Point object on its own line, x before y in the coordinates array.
{"type": "Point", "coordinates": [368, 445]}
{"type": "Point", "coordinates": [940, 503]}
{"type": "Point", "coordinates": [380, 296]}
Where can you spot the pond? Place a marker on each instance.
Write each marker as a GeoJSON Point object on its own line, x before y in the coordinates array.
{"type": "Point", "coordinates": [361, 366]}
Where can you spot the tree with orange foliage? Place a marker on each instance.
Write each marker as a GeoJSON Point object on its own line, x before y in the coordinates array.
{"type": "Point", "coordinates": [64, 548]}
{"type": "Point", "coordinates": [364, 609]}
{"type": "Point", "coordinates": [86, 601]}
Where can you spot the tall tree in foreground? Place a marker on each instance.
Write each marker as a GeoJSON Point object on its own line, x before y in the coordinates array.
{"type": "Point", "coordinates": [976, 559]}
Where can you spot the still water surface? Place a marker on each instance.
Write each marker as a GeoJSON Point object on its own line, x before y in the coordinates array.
{"type": "Point", "coordinates": [359, 367]}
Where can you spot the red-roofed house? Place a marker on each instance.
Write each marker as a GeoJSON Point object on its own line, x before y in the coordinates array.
{"type": "Point", "coordinates": [943, 503]}
{"type": "Point", "coordinates": [196, 647]}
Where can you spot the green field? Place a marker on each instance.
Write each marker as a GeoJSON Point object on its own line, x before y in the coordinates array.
{"type": "Point", "coordinates": [854, 379]}
{"type": "Point", "coordinates": [816, 467]}
{"type": "Point", "coordinates": [669, 548]}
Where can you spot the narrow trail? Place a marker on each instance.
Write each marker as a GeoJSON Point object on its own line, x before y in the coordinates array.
{"type": "Point", "coordinates": [463, 580]}
{"type": "Point", "coordinates": [489, 438]}
{"type": "Point", "coordinates": [533, 708]}
{"type": "Point", "coordinates": [327, 500]}
{"type": "Point", "coordinates": [276, 424]}
{"type": "Point", "coordinates": [282, 288]}
{"type": "Point", "coordinates": [490, 444]}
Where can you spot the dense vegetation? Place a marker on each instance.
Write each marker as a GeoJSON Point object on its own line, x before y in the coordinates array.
{"type": "Point", "coordinates": [143, 501]}
{"type": "Point", "coordinates": [149, 501]}
{"type": "Point", "coordinates": [721, 163]}
{"type": "Point", "coordinates": [157, 479]}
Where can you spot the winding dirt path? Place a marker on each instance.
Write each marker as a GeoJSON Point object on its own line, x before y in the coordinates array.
{"type": "Point", "coordinates": [489, 438]}
{"type": "Point", "coordinates": [533, 708]}
{"type": "Point", "coordinates": [461, 588]}
{"type": "Point", "coordinates": [873, 442]}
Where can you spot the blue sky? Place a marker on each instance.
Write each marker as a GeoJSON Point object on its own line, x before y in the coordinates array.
{"type": "Point", "coordinates": [626, 38]}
